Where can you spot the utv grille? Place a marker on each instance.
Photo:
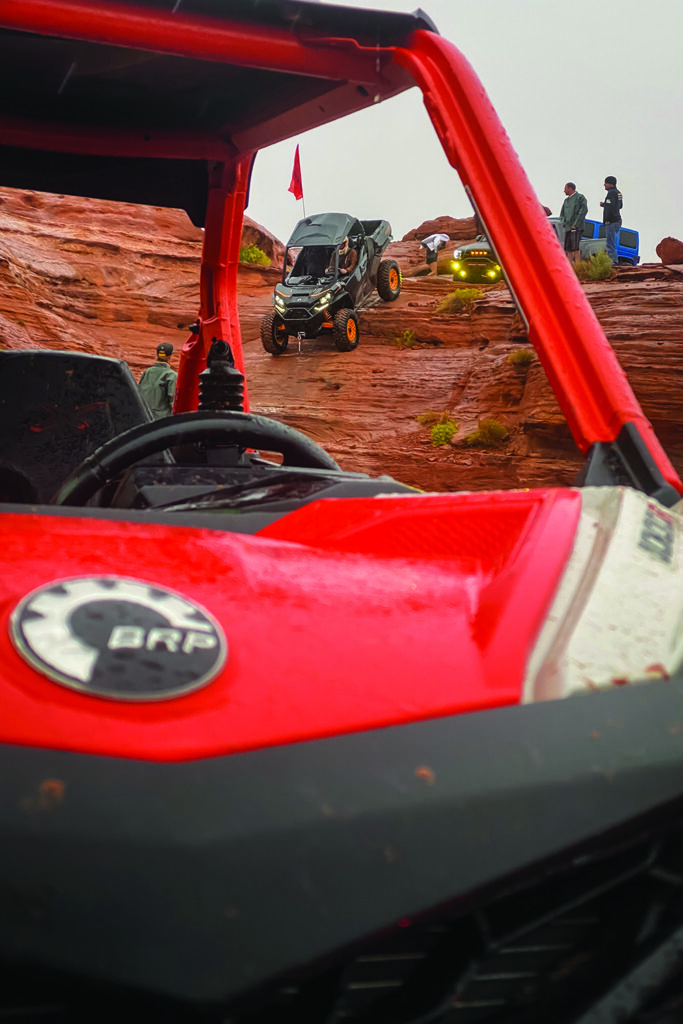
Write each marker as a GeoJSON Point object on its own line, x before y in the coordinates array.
{"type": "Point", "coordinates": [593, 943]}
{"type": "Point", "coordinates": [597, 943]}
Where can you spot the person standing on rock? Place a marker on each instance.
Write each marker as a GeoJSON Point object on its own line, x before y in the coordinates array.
{"type": "Point", "coordinates": [611, 216]}
{"type": "Point", "coordinates": [432, 244]}
{"type": "Point", "coordinates": [157, 383]}
{"type": "Point", "coordinates": [572, 218]}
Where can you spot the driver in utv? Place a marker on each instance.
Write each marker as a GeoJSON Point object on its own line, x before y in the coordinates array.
{"type": "Point", "coordinates": [348, 258]}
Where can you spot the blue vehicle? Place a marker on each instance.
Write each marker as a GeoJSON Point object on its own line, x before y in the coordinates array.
{"type": "Point", "coordinates": [594, 240]}
{"type": "Point", "coordinates": [627, 242]}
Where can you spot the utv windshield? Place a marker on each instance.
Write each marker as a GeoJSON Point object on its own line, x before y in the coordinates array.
{"type": "Point", "coordinates": [312, 263]}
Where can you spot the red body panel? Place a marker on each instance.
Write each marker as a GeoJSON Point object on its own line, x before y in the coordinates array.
{"type": "Point", "coordinates": [392, 609]}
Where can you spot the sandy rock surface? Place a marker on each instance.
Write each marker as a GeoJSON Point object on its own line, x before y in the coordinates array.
{"type": "Point", "coordinates": [117, 279]}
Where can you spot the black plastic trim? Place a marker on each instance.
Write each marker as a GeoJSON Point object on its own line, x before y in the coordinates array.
{"type": "Point", "coordinates": [249, 520]}
{"type": "Point", "coordinates": [205, 879]}
{"type": "Point", "coordinates": [626, 462]}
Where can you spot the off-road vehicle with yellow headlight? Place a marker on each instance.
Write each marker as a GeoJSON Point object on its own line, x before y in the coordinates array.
{"type": "Point", "coordinates": [476, 261]}
{"type": "Point", "coordinates": [324, 283]}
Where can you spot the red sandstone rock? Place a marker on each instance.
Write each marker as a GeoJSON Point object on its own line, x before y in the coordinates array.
{"type": "Point", "coordinates": [458, 229]}
{"type": "Point", "coordinates": [254, 234]}
{"type": "Point", "coordinates": [670, 250]}
{"type": "Point", "coordinates": [117, 279]}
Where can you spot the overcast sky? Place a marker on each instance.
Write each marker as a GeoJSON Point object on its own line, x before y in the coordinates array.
{"type": "Point", "coordinates": [583, 90]}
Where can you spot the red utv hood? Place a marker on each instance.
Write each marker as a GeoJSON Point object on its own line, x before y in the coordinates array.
{"type": "Point", "coordinates": [345, 615]}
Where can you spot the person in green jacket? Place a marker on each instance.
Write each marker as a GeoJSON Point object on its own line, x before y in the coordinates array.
{"type": "Point", "coordinates": [157, 383]}
{"type": "Point", "coordinates": [572, 217]}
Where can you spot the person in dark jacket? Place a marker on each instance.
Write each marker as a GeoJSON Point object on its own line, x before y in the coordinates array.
{"type": "Point", "coordinates": [157, 383]}
{"type": "Point", "coordinates": [611, 216]}
{"type": "Point", "coordinates": [572, 218]}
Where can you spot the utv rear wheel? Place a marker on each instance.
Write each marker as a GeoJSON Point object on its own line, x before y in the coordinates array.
{"type": "Point", "coordinates": [274, 337]}
{"type": "Point", "coordinates": [388, 280]}
{"type": "Point", "coordinates": [345, 332]}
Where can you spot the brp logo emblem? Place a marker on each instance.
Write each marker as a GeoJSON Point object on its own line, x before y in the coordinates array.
{"type": "Point", "coordinates": [118, 638]}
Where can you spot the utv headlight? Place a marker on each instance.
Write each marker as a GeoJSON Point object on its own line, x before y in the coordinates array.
{"type": "Point", "coordinates": [279, 302]}
{"type": "Point", "coordinates": [458, 254]}
{"type": "Point", "coordinates": [456, 264]}
{"type": "Point", "coordinates": [598, 634]}
{"type": "Point", "coordinates": [323, 302]}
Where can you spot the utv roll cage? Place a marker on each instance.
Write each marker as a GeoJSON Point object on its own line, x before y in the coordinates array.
{"type": "Point", "coordinates": [317, 238]}
{"type": "Point", "coordinates": [168, 103]}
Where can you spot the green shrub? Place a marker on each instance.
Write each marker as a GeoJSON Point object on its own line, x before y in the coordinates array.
{"type": "Point", "coordinates": [406, 340]}
{"type": "Point", "coordinates": [443, 432]}
{"type": "Point", "coordinates": [458, 301]}
{"type": "Point", "coordinates": [252, 254]}
{"type": "Point", "coordinates": [443, 427]}
{"type": "Point", "coordinates": [521, 357]}
{"type": "Point", "coordinates": [597, 268]}
{"type": "Point", "coordinates": [490, 434]}
{"type": "Point", "coordinates": [600, 266]}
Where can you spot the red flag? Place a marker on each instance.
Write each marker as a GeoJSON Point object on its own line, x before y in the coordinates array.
{"type": "Point", "coordinates": [296, 186]}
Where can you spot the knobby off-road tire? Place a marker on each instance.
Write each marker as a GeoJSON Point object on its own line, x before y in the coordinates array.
{"type": "Point", "coordinates": [274, 337]}
{"type": "Point", "coordinates": [388, 280]}
{"type": "Point", "coordinates": [345, 332]}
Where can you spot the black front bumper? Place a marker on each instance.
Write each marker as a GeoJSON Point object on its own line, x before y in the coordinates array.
{"type": "Point", "coordinates": [304, 321]}
{"type": "Point", "coordinates": [207, 880]}
{"type": "Point", "coordinates": [478, 270]}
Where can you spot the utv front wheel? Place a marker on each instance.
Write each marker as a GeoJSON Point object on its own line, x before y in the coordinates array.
{"type": "Point", "coordinates": [388, 280]}
{"type": "Point", "coordinates": [345, 331]}
{"type": "Point", "coordinates": [274, 337]}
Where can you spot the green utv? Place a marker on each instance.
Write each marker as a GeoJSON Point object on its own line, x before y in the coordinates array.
{"type": "Point", "coordinates": [321, 289]}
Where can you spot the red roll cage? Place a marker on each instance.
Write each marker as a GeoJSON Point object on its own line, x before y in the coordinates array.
{"type": "Point", "coordinates": [268, 71]}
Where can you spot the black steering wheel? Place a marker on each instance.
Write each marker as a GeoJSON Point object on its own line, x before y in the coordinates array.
{"type": "Point", "coordinates": [238, 428]}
